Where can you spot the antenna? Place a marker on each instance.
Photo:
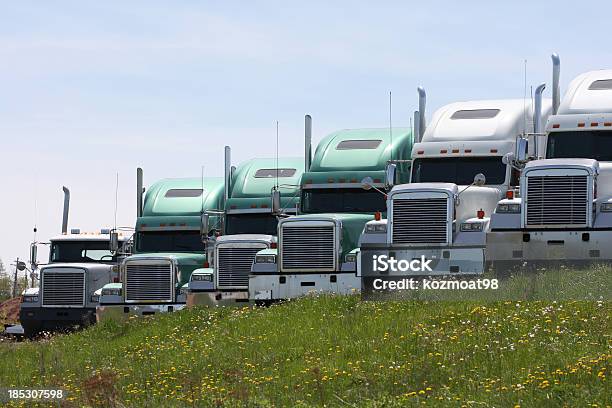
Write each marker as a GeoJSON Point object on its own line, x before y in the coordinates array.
{"type": "Point", "coordinates": [202, 195]}
{"type": "Point", "coordinates": [116, 197]}
{"type": "Point", "coordinates": [390, 125]}
{"type": "Point", "coordinates": [277, 155]}
{"type": "Point", "coordinates": [525, 96]}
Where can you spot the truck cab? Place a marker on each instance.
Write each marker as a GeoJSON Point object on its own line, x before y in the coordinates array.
{"type": "Point", "coordinates": [168, 246]}
{"type": "Point", "coordinates": [250, 226]}
{"type": "Point", "coordinates": [457, 179]}
{"type": "Point", "coordinates": [317, 248]}
{"type": "Point", "coordinates": [564, 211]}
{"type": "Point", "coordinates": [80, 263]}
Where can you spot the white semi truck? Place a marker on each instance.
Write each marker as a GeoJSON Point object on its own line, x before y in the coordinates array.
{"type": "Point", "coordinates": [564, 211]}
{"type": "Point", "coordinates": [80, 263]}
{"type": "Point", "coordinates": [444, 212]}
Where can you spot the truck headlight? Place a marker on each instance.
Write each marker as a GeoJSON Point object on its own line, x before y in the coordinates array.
{"type": "Point", "coordinates": [350, 258]}
{"type": "Point", "coordinates": [111, 292]}
{"type": "Point", "coordinates": [606, 207]}
{"type": "Point", "coordinates": [95, 298]}
{"type": "Point", "coordinates": [202, 277]}
{"type": "Point", "coordinates": [265, 259]}
{"type": "Point", "coordinates": [471, 226]}
{"type": "Point", "coordinates": [30, 299]}
{"type": "Point", "coordinates": [513, 208]}
{"type": "Point", "coordinates": [182, 291]}
{"type": "Point", "coordinates": [373, 228]}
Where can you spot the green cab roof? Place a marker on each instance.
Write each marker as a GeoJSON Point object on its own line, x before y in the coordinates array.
{"type": "Point", "coordinates": [343, 150]}
{"type": "Point", "coordinates": [170, 197]}
{"type": "Point", "coordinates": [252, 184]}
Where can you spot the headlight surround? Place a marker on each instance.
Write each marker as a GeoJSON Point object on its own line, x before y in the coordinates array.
{"type": "Point", "coordinates": [471, 226]}
{"type": "Point", "coordinates": [30, 299]}
{"type": "Point", "coordinates": [95, 299]}
{"type": "Point", "coordinates": [269, 259]}
{"type": "Point", "coordinates": [111, 292]}
{"type": "Point", "coordinates": [207, 277]}
{"type": "Point", "coordinates": [376, 228]}
{"type": "Point", "coordinates": [510, 208]}
{"type": "Point", "coordinates": [605, 207]}
{"type": "Point", "coordinates": [350, 258]}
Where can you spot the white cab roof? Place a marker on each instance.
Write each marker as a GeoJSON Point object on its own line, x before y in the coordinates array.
{"type": "Point", "coordinates": [84, 236]}
{"type": "Point", "coordinates": [586, 95]}
{"type": "Point", "coordinates": [515, 117]}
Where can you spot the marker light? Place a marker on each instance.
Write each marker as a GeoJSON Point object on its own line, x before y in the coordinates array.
{"type": "Point", "coordinates": [273, 245]}
{"type": "Point", "coordinates": [377, 215]}
{"type": "Point", "coordinates": [556, 126]}
{"type": "Point", "coordinates": [206, 264]}
{"type": "Point", "coordinates": [510, 194]}
{"type": "Point", "coordinates": [480, 214]}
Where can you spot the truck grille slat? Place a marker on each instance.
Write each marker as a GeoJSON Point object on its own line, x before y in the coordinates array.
{"type": "Point", "coordinates": [307, 248]}
{"type": "Point", "coordinates": [557, 200]}
{"type": "Point", "coordinates": [148, 282]}
{"type": "Point", "coordinates": [420, 220]}
{"type": "Point", "coordinates": [234, 266]}
{"type": "Point", "coordinates": [61, 288]}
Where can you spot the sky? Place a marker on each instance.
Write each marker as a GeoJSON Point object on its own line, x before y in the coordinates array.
{"type": "Point", "coordinates": [90, 90]}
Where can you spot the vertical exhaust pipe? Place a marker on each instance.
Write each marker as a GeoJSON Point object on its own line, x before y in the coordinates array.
{"type": "Point", "coordinates": [228, 172]}
{"type": "Point", "coordinates": [556, 90]}
{"type": "Point", "coordinates": [415, 130]}
{"type": "Point", "coordinates": [66, 210]}
{"type": "Point", "coordinates": [139, 192]}
{"type": "Point", "coordinates": [537, 117]}
{"type": "Point", "coordinates": [422, 101]}
{"type": "Point", "coordinates": [307, 142]}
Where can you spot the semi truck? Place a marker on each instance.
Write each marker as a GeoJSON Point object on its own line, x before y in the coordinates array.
{"type": "Point", "coordinates": [169, 244]}
{"type": "Point", "coordinates": [79, 264]}
{"type": "Point", "coordinates": [441, 217]}
{"type": "Point", "coordinates": [564, 211]}
{"type": "Point", "coordinates": [317, 248]}
{"type": "Point", "coordinates": [250, 225]}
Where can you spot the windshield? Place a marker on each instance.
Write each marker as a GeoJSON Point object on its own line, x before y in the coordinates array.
{"type": "Point", "coordinates": [81, 251]}
{"type": "Point", "coordinates": [169, 241]}
{"type": "Point", "coordinates": [458, 170]}
{"type": "Point", "coordinates": [251, 224]}
{"type": "Point", "coordinates": [590, 144]}
{"type": "Point", "coordinates": [347, 200]}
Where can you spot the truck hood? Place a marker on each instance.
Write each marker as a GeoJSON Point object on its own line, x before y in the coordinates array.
{"type": "Point", "coordinates": [352, 225]}
{"type": "Point", "coordinates": [186, 261]}
{"type": "Point", "coordinates": [224, 239]}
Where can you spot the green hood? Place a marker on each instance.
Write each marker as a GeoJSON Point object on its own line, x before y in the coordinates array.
{"type": "Point", "coordinates": [186, 261]}
{"type": "Point", "coordinates": [352, 226]}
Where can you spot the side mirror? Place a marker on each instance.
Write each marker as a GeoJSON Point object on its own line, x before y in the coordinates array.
{"type": "Point", "coordinates": [204, 224]}
{"type": "Point", "coordinates": [367, 183]}
{"type": "Point", "coordinates": [113, 242]}
{"type": "Point", "coordinates": [390, 173]}
{"type": "Point", "coordinates": [522, 152]}
{"type": "Point", "coordinates": [276, 202]}
{"type": "Point", "coordinates": [21, 266]}
{"type": "Point", "coordinates": [33, 255]}
{"type": "Point", "coordinates": [508, 158]}
{"type": "Point", "coordinates": [480, 180]}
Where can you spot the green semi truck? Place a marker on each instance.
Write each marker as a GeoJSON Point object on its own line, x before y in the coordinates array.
{"type": "Point", "coordinates": [169, 244]}
{"type": "Point", "coordinates": [250, 225]}
{"type": "Point", "coordinates": [317, 249]}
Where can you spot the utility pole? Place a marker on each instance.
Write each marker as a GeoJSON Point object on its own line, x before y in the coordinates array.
{"type": "Point", "coordinates": [15, 278]}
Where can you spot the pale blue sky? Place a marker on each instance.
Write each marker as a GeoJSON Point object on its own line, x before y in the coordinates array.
{"type": "Point", "coordinates": [90, 88]}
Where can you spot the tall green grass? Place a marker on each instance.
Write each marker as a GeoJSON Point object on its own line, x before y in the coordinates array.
{"type": "Point", "coordinates": [333, 351]}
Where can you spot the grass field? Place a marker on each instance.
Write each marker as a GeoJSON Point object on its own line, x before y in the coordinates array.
{"type": "Point", "coordinates": [334, 351]}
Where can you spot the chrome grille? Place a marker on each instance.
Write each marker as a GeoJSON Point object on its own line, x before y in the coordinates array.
{"type": "Point", "coordinates": [557, 200]}
{"type": "Point", "coordinates": [234, 265]}
{"type": "Point", "coordinates": [420, 221]}
{"type": "Point", "coordinates": [63, 287]}
{"type": "Point", "coordinates": [307, 248]}
{"type": "Point", "coordinates": [148, 282]}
